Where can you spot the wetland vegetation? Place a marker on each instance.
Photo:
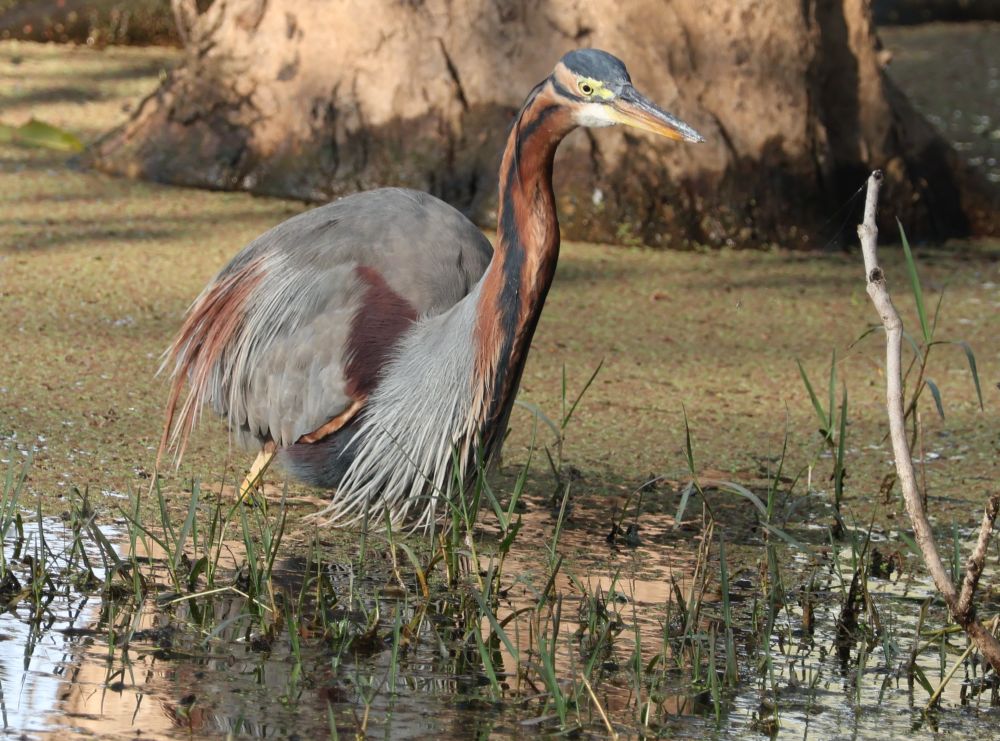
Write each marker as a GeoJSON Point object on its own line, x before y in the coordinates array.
{"type": "Point", "coordinates": [680, 554]}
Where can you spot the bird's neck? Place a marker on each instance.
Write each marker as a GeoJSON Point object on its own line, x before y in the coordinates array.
{"type": "Point", "coordinates": [515, 285]}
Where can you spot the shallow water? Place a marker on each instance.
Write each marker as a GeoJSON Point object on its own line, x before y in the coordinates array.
{"type": "Point", "coordinates": [951, 72]}
{"type": "Point", "coordinates": [86, 661]}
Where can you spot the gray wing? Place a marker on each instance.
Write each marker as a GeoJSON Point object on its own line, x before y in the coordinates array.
{"type": "Point", "coordinates": [291, 332]}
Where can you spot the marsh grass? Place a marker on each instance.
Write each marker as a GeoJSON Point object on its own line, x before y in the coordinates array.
{"type": "Point", "coordinates": [554, 661]}
{"type": "Point", "coordinates": [737, 646]}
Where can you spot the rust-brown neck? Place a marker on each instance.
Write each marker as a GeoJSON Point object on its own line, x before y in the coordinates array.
{"type": "Point", "coordinates": [524, 262]}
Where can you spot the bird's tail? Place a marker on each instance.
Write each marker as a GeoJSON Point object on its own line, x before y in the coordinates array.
{"type": "Point", "coordinates": [197, 354]}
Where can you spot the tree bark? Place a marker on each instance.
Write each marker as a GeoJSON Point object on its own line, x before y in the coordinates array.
{"type": "Point", "coordinates": [316, 99]}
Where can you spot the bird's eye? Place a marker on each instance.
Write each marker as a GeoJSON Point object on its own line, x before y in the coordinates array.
{"type": "Point", "coordinates": [586, 88]}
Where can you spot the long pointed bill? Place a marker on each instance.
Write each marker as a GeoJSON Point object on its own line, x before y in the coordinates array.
{"type": "Point", "coordinates": [632, 108]}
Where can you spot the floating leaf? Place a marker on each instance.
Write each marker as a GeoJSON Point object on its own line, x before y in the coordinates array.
{"type": "Point", "coordinates": [37, 133]}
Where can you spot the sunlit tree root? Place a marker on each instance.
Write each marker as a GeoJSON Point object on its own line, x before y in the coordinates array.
{"type": "Point", "coordinates": [960, 605]}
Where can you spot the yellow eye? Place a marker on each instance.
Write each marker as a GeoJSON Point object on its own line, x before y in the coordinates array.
{"type": "Point", "coordinates": [586, 88]}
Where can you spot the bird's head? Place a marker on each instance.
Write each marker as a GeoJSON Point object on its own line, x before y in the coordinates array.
{"type": "Point", "coordinates": [597, 89]}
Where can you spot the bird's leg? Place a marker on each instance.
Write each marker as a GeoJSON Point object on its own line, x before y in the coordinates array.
{"type": "Point", "coordinates": [257, 470]}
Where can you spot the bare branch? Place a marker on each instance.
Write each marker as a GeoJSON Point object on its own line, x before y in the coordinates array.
{"type": "Point", "coordinates": [961, 609]}
{"type": "Point", "coordinates": [879, 293]}
{"type": "Point", "coordinates": [977, 561]}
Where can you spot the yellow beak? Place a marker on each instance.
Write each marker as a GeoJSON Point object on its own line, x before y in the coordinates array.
{"type": "Point", "coordinates": [632, 108]}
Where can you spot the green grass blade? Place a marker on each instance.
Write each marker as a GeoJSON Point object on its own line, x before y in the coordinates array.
{"type": "Point", "coordinates": [832, 390]}
{"type": "Point", "coordinates": [562, 394]}
{"type": "Point", "coordinates": [915, 345]}
{"type": "Point", "coordinates": [970, 356]}
{"type": "Point", "coordinates": [484, 610]}
{"type": "Point", "coordinates": [685, 496]}
{"type": "Point", "coordinates": [688, 447]}
{"type": "Point", "coordinates": [820, 413]}
{"type": "Point", "coordinates": [918, 294]}
{"type": "Point", "coordinates": [841, 447]}
{"type": "Point", "coordinates": [919, 675]}
{"type": "Point", "coordinates": [936, 393]}
{"type": "Point", "coordinates": [188, 525]}
{"type": "Point", "coordinates": [539, 414]}
{"type": "Point", "coordinates": [107, 550]}
{"type": "Point", "coordinates": [937, 312]}
{"type": "Point", "coordinates": [911, 544]}
{"type": "Point", "coordinates": [727, 617]}
{"type": "Point", "coordinates": [579, 397]}
{"type": "Point", "coordinates": [872, 329]}
{"type": "Point", "coordinates": [484, 656]}
{"type": "Point", "coordinates": [778, 532]}
{"type": "Point", "coordinates": [733, 488]}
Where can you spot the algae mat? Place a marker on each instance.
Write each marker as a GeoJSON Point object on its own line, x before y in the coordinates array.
{"type": "Point", "coordinates": [96, 272]}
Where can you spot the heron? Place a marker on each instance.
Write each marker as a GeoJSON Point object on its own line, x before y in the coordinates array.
{"type": "Point", "coordinates": [374, 345]}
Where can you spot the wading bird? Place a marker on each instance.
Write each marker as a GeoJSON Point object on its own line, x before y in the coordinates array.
{"type": "Point", "coordinates": [375, 344]}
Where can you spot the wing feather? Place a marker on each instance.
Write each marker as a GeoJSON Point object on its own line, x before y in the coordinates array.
{"type": "Point", "coordinates": [268, 342]}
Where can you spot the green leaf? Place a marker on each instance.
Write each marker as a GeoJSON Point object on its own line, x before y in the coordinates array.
{"type": "Point", "coordinates": [685, 496]}
{"type": "Point", "coordinates": [539, 414]}
{"type": "Point", "coordinates": [833, 389]}
{"type": "Point", "coordinates": [872, 329]}
{"type": "Point", "coordinates": [972, 367]}
{"type": "Point", "coordinates": [688, 448]}
{"type": "Point", "coordinates": [494, 623]}
{"type": "Point", "coordinates": [936, 393]}
{"type": "Point", "coordinates": [484, 656]}
{"type": "Point", "coordinates": [586, 386]}
{"type": "Point", "coordinates": [785, 537]}
{"type": "Point", "coordinates": [734, 488]}
{"type": "Point", "coordinates": [820, 414]}
{"type": "Point", "coordinates": [916, 347]}
{"type": "Point", "coordinates": [104, 544]}
{"type": "Point", "coordinates": [841, 447]}
{"type": "Point", "coordinates": [188, 524]}
{"type": "Point", "coordinates": [919, 675]}
{"type": "Point", "coordinates": [37, 133]}
{"type": "Point", "coordinates": [910, 543]}
{"type": "Point", "coordinates": [918, 294]}
{"type": "Point", "coordinates": [744, 492]}
{"type": "Point", "coordinates": [199, 568]}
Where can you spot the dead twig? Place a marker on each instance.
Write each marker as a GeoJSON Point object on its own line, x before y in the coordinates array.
{"type": "Point", "coordinates": [961, 607]}
{"type": "Point", "coordinates": [974, 566]}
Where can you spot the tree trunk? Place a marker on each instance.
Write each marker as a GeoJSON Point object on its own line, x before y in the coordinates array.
{"type": "Point", "coordinates": [314, 99]}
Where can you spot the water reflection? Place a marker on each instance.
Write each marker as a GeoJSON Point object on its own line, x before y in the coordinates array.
{"type": "Point", "coordinates": [38, 642]}
{"type": "Point", "coordinates": [92, 662]}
